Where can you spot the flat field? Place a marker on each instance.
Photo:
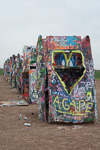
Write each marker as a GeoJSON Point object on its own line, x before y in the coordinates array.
{"type": "Point", "coordinates": [97, 74]}
{"type": "Point", "coordinates": [40, 135]}
{"type": "Point", "coordinates": [1, 72]}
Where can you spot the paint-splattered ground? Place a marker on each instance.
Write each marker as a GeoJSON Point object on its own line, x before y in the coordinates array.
{"type": "Point", "coordinates": [42, 136]}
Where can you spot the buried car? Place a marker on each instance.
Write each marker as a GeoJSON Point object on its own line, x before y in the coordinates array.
{"type": "Point", "coordinates": [65, 79]}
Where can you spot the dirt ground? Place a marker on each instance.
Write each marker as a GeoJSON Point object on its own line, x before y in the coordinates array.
{"type": "Point", "coordinates": [42, 136]}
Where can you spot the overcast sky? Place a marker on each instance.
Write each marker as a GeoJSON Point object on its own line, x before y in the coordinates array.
{"type": "Point", "coordinates": [21, 21]}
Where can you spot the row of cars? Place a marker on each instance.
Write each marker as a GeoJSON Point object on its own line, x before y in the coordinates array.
{"type": "Point", "coordinates": [59, 74]}
{"type": "Point", "coordinates": [20, 71]}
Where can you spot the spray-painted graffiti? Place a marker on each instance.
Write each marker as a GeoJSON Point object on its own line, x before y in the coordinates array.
{"type": "Point", "coordinates": [66, 86]}
{"type": "Point", "coordinates": [33, 90]}
{"type": "Point", "coordinates": [59, 73]}
{"type": "Point", "coordinates": [65, 107]}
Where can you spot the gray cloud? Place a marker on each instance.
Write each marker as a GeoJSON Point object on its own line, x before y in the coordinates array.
{"type": "Point", "coordinates": [21, 21]}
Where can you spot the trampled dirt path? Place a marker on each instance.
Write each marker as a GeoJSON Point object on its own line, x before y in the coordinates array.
{"type": "Point", "coordinates": [42, 136]}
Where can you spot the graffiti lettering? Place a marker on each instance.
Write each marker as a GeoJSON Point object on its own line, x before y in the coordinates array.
{"type": "Point", "coordinates": [64, 104]}
{"type": "Point", "coordinates": [67, 106]}
{"type": "Point", "coordinates": [57, 101]}
{"type": "Point", "coordinates": [89, 107]}
{"type": "Point", "coordinates": [80, 106]}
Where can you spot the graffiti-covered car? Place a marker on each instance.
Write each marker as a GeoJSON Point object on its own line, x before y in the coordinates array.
{"type": "Point", "coordinates": [29, 74]}
{"type": "Point", "coordinates": [33, 94]}
{"type": "Point", "coordinates": [19, 69]}
{"type": "Point", "coordinates": [65, 79]}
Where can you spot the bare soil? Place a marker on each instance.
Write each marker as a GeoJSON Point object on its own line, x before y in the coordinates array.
{"type": "Point", "coordinates": [40, 135]}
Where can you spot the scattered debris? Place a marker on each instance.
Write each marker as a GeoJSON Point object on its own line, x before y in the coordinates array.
{"type": "Point", "coordinates": [21, 102]}
{"type": "Point", "coordinates": [20, 118]}
{"type": "Point", "coordinates": [11, 100]}
{"type": "Point", "coordinates": [25, 118]}
{"type": "Point", "coordinates": [76, 127]}
{"type": "Point", "coordinates": [32, 113]}
{"type": "Point", "coordinates": [27, 124]}
{"type": "Point", "coordinates": [61, 128]}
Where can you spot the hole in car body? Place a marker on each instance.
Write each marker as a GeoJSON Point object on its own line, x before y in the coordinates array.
{"type": "Point", "coordinates": [69, 67]}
